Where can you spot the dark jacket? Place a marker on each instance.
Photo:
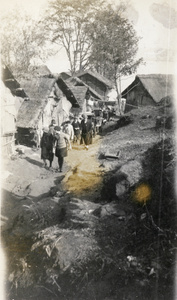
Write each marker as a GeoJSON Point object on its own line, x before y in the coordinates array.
{"type": "Point", "coordinates": [86, 127]}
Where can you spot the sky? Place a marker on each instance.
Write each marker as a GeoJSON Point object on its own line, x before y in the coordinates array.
{"type": "Point", "coordinates": [155, 22]}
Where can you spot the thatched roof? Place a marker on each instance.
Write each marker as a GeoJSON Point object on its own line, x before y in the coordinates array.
{"type": "Point", "coordinates": [98, 76]}
{"type": "Point", "coordinates": [65, 75]}
{"type": "Point", "coordinates": [78, 82]}
{"type": "Point", "coordinates": [37, 89]}
{"type": "Point", "coordinates": [66, 89]}
{"type": "Point", "coordinates": [79, 93]}
{"type": "Point", "coordinates": [157, 86]}
{"type": "Point", "coordinates": [8, 78]}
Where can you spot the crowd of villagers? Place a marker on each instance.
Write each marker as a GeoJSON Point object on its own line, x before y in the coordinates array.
{"type": "Point", "coordinates": [57, 140]}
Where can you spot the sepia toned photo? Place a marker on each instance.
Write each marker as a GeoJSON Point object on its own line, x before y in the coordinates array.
{"type": "Point", "coordinates": [88, 149]}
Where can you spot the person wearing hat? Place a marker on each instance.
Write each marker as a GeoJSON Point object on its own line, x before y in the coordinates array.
{"type": "Point", "coordinates": [86, 128]}
{"type": "Point", "coordinates": [77, 130]}
{"type": "Point", "coordinates": [62, 139]}
{"type": "Point", "coordinates": [44, 145]}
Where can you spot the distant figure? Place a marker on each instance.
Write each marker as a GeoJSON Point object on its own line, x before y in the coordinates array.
{"type": "Point", "coordinates": [105, 113]}
{"type": "Point", "coordinates": [68, 129]}
{"type": "Point", "coordinates": [122, 105]}
{"type": "Point", "coordinates": [86, 128]}
{"type": "Point", "coordinates": [44, 145]}
{"type": "Point", "coordinates": [51, 144]}
{"type": "Point", "coordinates": [53, 123]}
{"type": "Point", "coordinates": [61, 146]}
{"type": "Point", "coordinates": [37, 137]}
{"type": "Point", "coordinates": [77, 130]}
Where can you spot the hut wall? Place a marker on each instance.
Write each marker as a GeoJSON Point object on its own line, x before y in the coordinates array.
{"type": "Point", "coordinates": [138, 97]}
{"type": "Point", "coordinates": [76, 111]}
{"type": "Point", "coordinates": [8, 123]}
{"type": "Point", "coordinates": [95, 84]}
{"type": "Point", "coordinates": [25, 136]}
{"type": "Point", "coordinates": [147, 101]}
{"type": "Point", "coordinates": [132, 101]}
{"type": "Point", "coordinates": [47, 113]}
{"type": "Point", "coordinates": [63, 110]}
{"type": "Point", "coordinates": [7, 144]}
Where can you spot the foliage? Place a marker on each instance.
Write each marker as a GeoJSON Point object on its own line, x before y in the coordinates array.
{"type": "Point", "coordinates": [22, 42]}
{"type": "Point", "coordinates": [114, 44]}
{"type": "Point", "coordinates": [65, 24]}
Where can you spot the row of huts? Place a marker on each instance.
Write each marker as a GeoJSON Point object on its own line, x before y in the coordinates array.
{"type": "Point", "coordinates": [32, 102]}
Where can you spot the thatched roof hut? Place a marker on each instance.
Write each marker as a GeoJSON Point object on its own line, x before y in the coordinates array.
{"type": "Point", "coordinates": [96, 76]}
{"type": "Point", "coordinates": [96, 82]}
{"type": "Point", "coordinates": [37, 91]}
{"type": "Point", "coordinates": [148, 89]}
{"type": "Point", "coordinates": [78, 82]}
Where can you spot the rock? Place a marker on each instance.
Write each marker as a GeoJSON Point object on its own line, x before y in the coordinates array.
{"type": "Point", "coordinates": [121, 188]}
{"type": "Point", "coordinates": [146, 117]}
{"type": "Point", "coordinates": [112, 209]}
{"type": "Point", "coordinates": [160, 120]}
{"type": "Point", "coordinates": [123, 121]}
{"type": "Point", "coordinates": [20, 150]}
{"type": "Point", "coordinates": [133, 170]}
{"type": "Point", "coordinates": [169, 122]}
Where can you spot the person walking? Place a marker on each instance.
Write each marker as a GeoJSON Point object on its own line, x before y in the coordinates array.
{"type": "Point", "coordinates": [68, 129]}
{"type": "Point", "coordinates": [62, 139]}
{"type": "Point", "coordinates": [37, 137]}
{"type": "Point", "coordinates": [50, 145]}
{"type": "Point", "coordinates": [77, 130]}
{"type": "Point", "coordinates": [44, 145]}
{"type": "Point", "coordinates": [86, 127]}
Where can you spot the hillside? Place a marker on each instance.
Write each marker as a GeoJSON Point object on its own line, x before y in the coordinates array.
{"type": "Point", "coordinates": [104, 228]}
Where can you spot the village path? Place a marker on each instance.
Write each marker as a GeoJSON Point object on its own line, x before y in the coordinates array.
{"type": "Point", "coordinates": [24, 179]}
{"type": "Point", "coordinates": [86, 174]}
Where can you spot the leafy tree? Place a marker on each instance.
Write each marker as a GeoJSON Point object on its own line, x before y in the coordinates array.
{"type": "Point", "coordinates": [66, 23]}
{"type": "Point", "coordinates": [114, 45]}
{"type": "Point", "coordinates": [22, 43]}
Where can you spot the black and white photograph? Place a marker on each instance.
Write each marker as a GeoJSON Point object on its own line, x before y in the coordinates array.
{"type": "Point", "coordinates": [88, 149]}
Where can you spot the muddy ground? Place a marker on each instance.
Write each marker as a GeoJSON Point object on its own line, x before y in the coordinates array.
{"type": "Point", "coordinates": [104, 228]}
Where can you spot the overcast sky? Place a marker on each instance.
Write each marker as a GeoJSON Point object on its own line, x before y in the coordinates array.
{"type": "Point", "coordinates": [154, 20]}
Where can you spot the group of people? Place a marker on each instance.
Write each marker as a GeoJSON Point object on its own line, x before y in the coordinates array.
{"type": "Point", "coordinates": [56, 140]}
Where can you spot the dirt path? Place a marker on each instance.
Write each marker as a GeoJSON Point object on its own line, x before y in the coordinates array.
{"type": "Point", "coordinates": [25, 179]}
{"type": "Point", "coordinates": [85, 176]}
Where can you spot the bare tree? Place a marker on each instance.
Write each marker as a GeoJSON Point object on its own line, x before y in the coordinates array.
{"type": "Point", "coordinates": [66, 23]}
{"type": "Point", "coordinates": [23, 44]}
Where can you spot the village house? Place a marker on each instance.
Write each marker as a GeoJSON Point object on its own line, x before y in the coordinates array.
{"type": "Point", "coordinates": [98, 90]}
{"type": "Point", "coordinates": [48, 97]}
{"type": "Point", "coordinates": [8, 116]}
{"type": "Point", "coordinates": [75, 81]}
{"type": "Point", "coordinates": [148, 90]}
{"type": "Point", "coordinates": [97, 83]}
{"type": "Point", "coordinates": [10, 104]}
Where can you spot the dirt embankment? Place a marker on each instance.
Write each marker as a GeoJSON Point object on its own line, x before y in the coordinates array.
{"type": "Point", "coordinates": [100, 229]}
